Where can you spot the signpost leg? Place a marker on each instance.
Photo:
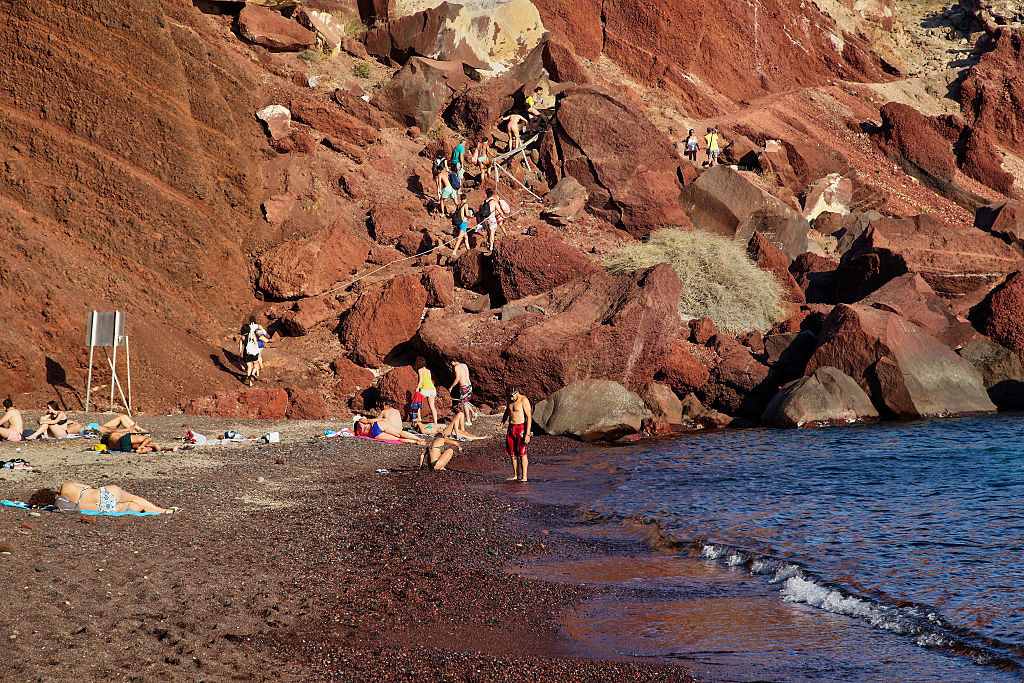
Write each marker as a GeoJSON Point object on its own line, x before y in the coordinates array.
{"type": "Point", "coordinates": [128, 364]}
{"type": "Point", "coordinates": [113, 376]}
{"type": "Point", "coordinates": [88, 383]}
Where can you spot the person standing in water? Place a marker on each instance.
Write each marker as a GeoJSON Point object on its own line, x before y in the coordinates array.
{"type": "Point", "coordinates": [519, 415]}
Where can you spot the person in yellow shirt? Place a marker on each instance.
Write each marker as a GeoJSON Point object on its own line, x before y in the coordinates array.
{"type": "Point", "coordinates": [711, 142]}
{"type": "Point", "coordinates": [426, 385]}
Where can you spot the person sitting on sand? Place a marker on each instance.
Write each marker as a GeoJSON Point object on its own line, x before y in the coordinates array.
{"type": "Point", "coordinates": [104, 499]}
{"type": "Point", "coordinates": [439, 452]}
{"type": "Point", "coordinates": [11, 418]}
{"type": "Point", "coordinates": [129, 442]}
{"type": "Point", "coordinates": [519, 415]}
{"type": "Point", "coordinates": [54, 424]}
{"type": "Point", "coordinates": [387, 426]}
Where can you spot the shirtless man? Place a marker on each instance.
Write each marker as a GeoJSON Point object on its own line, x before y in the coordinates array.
{"type": "Point", "coordinates": [11, 418]}
{"type": "Point", "coordinates": [515, 122]}
{"type": "Point", "coordinates": [439, 456]}
{"type": "Point", "coordinates": [519, 415]}
{"type": "Point", "coordinates": [461, 371]}
{"type": "Point", "coordinates": [126, 441]}
{"type": "Point", "coordinates": [488, 216]}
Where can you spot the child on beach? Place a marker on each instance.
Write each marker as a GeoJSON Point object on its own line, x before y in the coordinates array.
{"type": "Point", "coordinates": [519, 415]}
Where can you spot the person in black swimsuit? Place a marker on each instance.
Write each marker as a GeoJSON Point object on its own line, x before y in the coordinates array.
{"type": "Point", "coordinates": [127, 442]}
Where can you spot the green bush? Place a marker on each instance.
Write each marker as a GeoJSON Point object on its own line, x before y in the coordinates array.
{"type": "Point", "coordinates": [361, 70]}
{"type": "Point", "coordinates": [719, 279]}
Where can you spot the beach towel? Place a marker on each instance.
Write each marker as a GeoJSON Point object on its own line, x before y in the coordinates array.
{"type": "Point", "coordinates": [24, 506]}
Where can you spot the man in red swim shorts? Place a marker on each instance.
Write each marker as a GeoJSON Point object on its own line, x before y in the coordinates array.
{"type": "Point", "coordinates": [519, 415]}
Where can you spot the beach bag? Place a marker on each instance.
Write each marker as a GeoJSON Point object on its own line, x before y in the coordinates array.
{"type": "Point", "coordinates": [252, 344]}
{"type": "Point", "coordinates": [503, 205]}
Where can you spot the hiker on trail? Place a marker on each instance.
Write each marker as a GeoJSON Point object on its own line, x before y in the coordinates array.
{"type": "Point", "coordinates": [11, 418]}
{"type": "Point", "coordinates": [250, 348]}
{"type": "Point", "coordinates": [461, 371]}
{"type": "Point", "coordinates": [711, 141]}
{"type": "Point", "coordinates": [458, 158]}
{"type": "Point", "coordinates": [129, 442]}
{"type": "Point", "coordinates": [534, 103]}
{"type": "Point", "coordinates": [426, 385]}
{"type": "Point", "coordinates": [482, 159]}
{"type": "Point", "coordinates": [690, 146]}
{"type": "Point", "coordinates": [515, 122]}
{"type": "Point", "coordinates": [387, 426]}
{"type": "Point", "coordinates": [460, 219]}
{"type": "Point", "coordinates": [445, 191]}
{"type": "Point", "coordinates": [488, 216]}
{"type": "Point", "coordinates": [519, 415]}
{"type": "Point", "coordinates": [109, 499]}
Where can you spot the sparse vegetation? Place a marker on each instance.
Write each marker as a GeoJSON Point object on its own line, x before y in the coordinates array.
{"type": "Point", "coordinates": [381, 82]}
{"type": "Point", "coordinates": [361, 70]}
{"type": "Point", "coordinates": [719, 279]}
{"type": "Point", "coordinates": [311, 57]}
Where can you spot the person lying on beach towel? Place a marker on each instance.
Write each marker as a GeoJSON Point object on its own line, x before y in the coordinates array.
{"type": "Point", "coordinates": [127, 442]}
{"type": "Point", "coordinates": [387, 426]}
{"type": "Point", "coordinates": [457, 425]}
{"type": "Point", "coordinates": [56, 424]}
{"type": "Point", "coordinates": [108, 500]}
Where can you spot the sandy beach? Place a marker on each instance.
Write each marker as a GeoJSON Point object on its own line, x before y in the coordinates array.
{"type": "Point", "coordinates": [292, 561]}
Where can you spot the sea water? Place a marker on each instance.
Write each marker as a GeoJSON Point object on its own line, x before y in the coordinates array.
{"type": "Point", "coordinates": [905, 541]}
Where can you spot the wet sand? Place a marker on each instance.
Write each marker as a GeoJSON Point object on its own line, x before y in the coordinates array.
{"type": "Point", "coordinates": [296, 561]}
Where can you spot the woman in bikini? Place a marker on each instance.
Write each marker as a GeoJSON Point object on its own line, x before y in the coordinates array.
{"type": "Point", "coordinates": [104, 499]}
{"type": "Point", "coordinates": [385, 427]}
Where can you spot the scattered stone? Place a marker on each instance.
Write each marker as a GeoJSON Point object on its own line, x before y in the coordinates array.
{"type": "Point", "coordinates": [565, 202]}
{"type": "Point", "coordinates": [271, 30]}
{"type": "Point", "coordinates": [278, 208]}
{"type": "Point", "coordinates": [278, 120]}
{"type": "Point", "coordinates": [479, 304]}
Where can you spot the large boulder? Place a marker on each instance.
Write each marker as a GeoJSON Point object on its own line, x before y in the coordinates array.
{"type": "Point", "coordinates": [910, 138]}
{"type": "Point", "coordinates": [907, 372]}
{"type": "Point", "coordinates": [723, 202]}
{"type": "Point", "coordinates": [252, 403]}
{"type": "Point", "coordinates": [312, 265]}
{"type": "Point", "coordinates": [954, 261]}
{"type": "Point", "coordinates": [590, 410]}
{"type": "Point", "coordinates": [328, 118]}
{"type": "Point", "coordinates": [826, 396]}
{"type": "Point", "coordinates": [739, 383]}
{"type": "Point", "coordinates": [271, 30]}
{"type": "Point", "coordinates": [382, 318]}
{"type": "Point", "coordinates": [1005, 220]}
{"type": "Point", "coordinates": [910, 297]}
{"type": "Point", "coordinates": [991, 93]}
{"type": "Point", "coordinates": [816, 276]}
{"type": "Point", "coordinates": [421, 90]}
{"type": "Point", "coordinates": [566, 335]}
{"type": "Point", "coordinates": [980, 160]}
{"type": "Point", "coordinates": [534, 265]}
{"type": "Point", "coordinates": [478, 109]}
{"type": "Point", "coordinates": [440, 286]}
{"type": "Point", "coordinates": [565, 202]}
{"type": "Point", "coordinates": [1000, 369]}
{"type": "Point", "coordinates": [628, 167]}
{"type": "Point", "coordinates": [682, 370]}
{"type": "Point", "coordinates": [773, 260]}
{"type": "Point", "coordinates": [663, 403]}
{"type": "Point", "coordinates": [1000, 315]}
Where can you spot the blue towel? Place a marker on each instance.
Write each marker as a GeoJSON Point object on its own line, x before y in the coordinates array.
{"type": "Point", "coordinates": [24, 506]}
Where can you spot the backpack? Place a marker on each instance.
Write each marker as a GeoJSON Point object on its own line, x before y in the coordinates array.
{"type": "Point", "coordinates": [453, 178]}
{"type": "Point", "coordinates": [485, 210]}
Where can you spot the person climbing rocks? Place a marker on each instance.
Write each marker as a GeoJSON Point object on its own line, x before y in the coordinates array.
{"type": "Point", "coordinates": [460, 219]}
{"type": "Point", "coordinates": [488, 216]}
{"type": "Point", "coordinates": [482, 159]}
{"type": "Point", "coordinates": [445, 191]}
{"type": "Point", "coordinates": [711, 142]}
{"type": "Point", "coordinates": [514, 125]}
{"type": "Point", "coordinates": [458, 160]}
{"type": "Point", "coordinates": [519, 415]}
{"type": "Point", "coordinates": [534, 102]}
{"type": "Point", "coordinates": [461, 372]}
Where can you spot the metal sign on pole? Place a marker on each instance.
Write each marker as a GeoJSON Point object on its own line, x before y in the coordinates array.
{"type": "Point", "coordinates": [107, 329]}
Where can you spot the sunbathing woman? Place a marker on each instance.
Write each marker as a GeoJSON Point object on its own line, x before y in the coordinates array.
{"type": "Point", "coordinates": [55, 423]}
{"type": "Point", "coordinates": [385, 427]}
{"type": "Point", "coordinates": [127, 442]}
{"type": "Point", "coordinates": [105, 499]}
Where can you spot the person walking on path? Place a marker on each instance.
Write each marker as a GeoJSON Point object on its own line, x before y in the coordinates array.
{"type": "Point", "coordinates": [445, 191]}
{"type": "Point", "coordinates": [690, 146]}
{"type": "Point", "coordinates": [488, 216]}
{"type": "Point", "coordinates": [250, 348]}
{"type": "Point", "coordinates": [461, 371]}
{"type": "Point", "coordinates": [11, 418]}
{"type": "Point", "coordinates": [460, 219]}
{"type": "Point", "coordinates": [711, 141]}
{"type": "Point", "coordinates": [519, 415]}
{"type": "Point", "coordinates": [426, 385]}
{"type": "Point", "coordinates": [458, 158]}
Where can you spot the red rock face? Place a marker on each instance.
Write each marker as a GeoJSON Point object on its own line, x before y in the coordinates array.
{"type": "Point", "coordinates": [628, 166]}
{"type": "Point", "coordinates": [252, 403]}
{"type": "Point", "coordinates": [419, 93]}
{"type": "Point", "coordinates": [350, 377]}
{"type": "Point", "coordinates": [636, 315]}
{"type": "Point", "coordinates": [982, 162]}
{"type": "Point", "coordinates": [479, 108]}
{"type": "Point", "coordinates": [562, 64]}
{"type": "Point", "coordinates": [328, 118]}
{"type": "Point", "coordinates": [907, 372]}
{"type": "Point", "coordinates": [1001, 315]}
{"type": "Point", "coordinates": [313, 265]}
{"type": "Point", "coordinates": [910, 135]}
{"type": "Point", "coordinates": [991, 94]}
{"type": "Point", "coordinates": [271, 30]}
{"type": "Point", "coordinates": [1005, 220]}
{"type": "Point", "coordinates": [440, 286]}
{"type": "Point", "coordinates": [770, 258]}
{"type": "Point", "coordinates": [535, 265]}
{"type": "Point", "coordinates": [682, 371]}
{"type": "Point", "coordinates": [382, 318]}
{"type": "Point", "coordinates": [738, 384]}
{"type": "Point", "coordinates": [397, 386]}
{"type": "Point", "coordinates": [305, 405]}
{"type": "Point", "coordinates": [954, 261]}
{"type": "Point", "coordinates": [815, 275]}
{"type": "Point", "coordinates": [910, 297]}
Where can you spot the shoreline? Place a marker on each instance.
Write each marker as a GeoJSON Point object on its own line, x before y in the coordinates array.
{"type": "Point", "coordinates": [295, 561]}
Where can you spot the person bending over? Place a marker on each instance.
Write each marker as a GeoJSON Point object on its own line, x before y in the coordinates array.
{"type": "Point", "coordinates": [129, 442]}
{"type": "Point", "coordinates": [519, 415]}
{"type": "Point", "coordinates": [104, 499]}
{"type": "Point", "coordinates": [440, 452]}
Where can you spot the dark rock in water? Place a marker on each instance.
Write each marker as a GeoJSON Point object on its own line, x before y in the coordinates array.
{"type": "Point", "coordinates": [907, 372]}
{"type": "Point", "coordinates": [591, 410]}
{"type": "Point", "coordinates": [1000, 369]}
{"type": "Point", "coordinates": [826, 396]}
{"type": "Point", "coordinates": [691, 406]}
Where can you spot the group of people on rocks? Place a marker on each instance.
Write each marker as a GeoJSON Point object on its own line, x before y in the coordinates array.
{"type": "Point", "coordinates": [445, 438]}
{"type": "Point", "coordinates": [712, 146]}
{"type": "Point", "coordinates": [450, 180]}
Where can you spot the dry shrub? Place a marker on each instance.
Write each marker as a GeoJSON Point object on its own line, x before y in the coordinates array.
{"type": "Point", "coordinates": [719, 279]}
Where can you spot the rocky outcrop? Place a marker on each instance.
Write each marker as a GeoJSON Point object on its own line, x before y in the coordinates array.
{"type": "Point", "coordinates": [824, 397]}
{"type": "Point", "coordinates": [816, 277]}
{"type": "Point", "coordinates": [313, 265]}
{"type": "Point", "coordinates": [481, 106]}
{"type": "Point", "coordinates": [771, 259]}
{"type": "Point", "coordinates": [271, 30]}
{"type": "Point", "coordinates": [723, 202]}
{"type": "Point", "coordinates": [534, 265]}
{"type": "Point", "coordinates": [591, 410]}
{"type": "Point", "coordinates": [682, 371]}
{"type": "Point", "coordinates": [328, 118]}
{"type": "Point", "coordinates": [1005, 220]}
{"type": "Point", "coordinates": [739, 383]}
{"type": "Point", "coordinates": [1000, 369]}
{"type": "Point", "coordinates": [663, 403]}
{"type": "Point", "coordinates": [833, 193]}
{"type": "Point", "coordinates": [909, 137]}
{"type": "Point", "coordinates": [910, 297]}
{"type": "Point", "coordinates": [259, 403]}
{"type": "Point", "coordinates": [420, 91]}
{"type": "Point", "coordinates": [383, 318]}
{"type": "Point", "coordinates": [440, 286]}
{"type": "Point", "coordinates": [1001, 315]}
{"type": "Point", "coordinates": [954, 261]}
{"type": "Point", "coordinates": [627, 166]}
{"type": "Point", "coordinates": [907, 372]}
{"type": "Point", "coordinates": [350, 378]}
{"type": "Point", "coordinates": [540, 353]}
{"type": "Point", "coordinates": [981, 161]}
{"type": "Point", "coordinates": [565, 202]}
{"type": "Point", "coordinates": [994, 87]}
